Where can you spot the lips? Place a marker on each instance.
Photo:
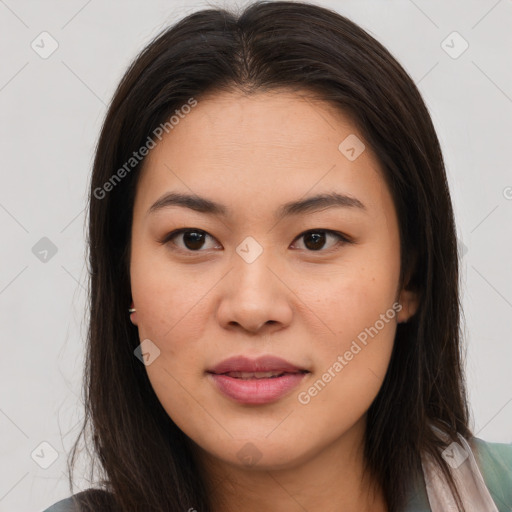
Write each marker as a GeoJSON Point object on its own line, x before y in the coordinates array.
{"type": "Point", "coordinates": [264, 366]}
{"type": "Point", "coordinates": [258, 381]}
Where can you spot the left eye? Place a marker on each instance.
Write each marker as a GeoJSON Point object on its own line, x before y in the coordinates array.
{"type": "Point", "coordinates": [315, 239]}
{"type": "Point", "coordinates": [193, 239]}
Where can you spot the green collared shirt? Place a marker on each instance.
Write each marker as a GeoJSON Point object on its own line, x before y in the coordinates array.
{"type": "Point", "coordinates": [493, 459]}
{"type": "Point", "coordinates": [495, 463]}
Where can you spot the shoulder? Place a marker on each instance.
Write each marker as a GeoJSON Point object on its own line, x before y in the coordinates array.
{"type": "Point", "coordinates": [96, 499]}
{"type": "Point", "coordinates": [494, 456]}
{"type": "Point", "coordinates": [65, 505]}
{"type": "Point", "coordinates": [495, 462]}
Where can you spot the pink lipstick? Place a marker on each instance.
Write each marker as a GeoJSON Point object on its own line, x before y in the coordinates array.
{"type": "Point", "coordinates": [256, 381]}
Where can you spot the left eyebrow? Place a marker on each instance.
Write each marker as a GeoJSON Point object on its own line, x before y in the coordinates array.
{"type": "Point", "coordinates": [319, 202]}
{"type": "Point", "coordinates": [302, 206]}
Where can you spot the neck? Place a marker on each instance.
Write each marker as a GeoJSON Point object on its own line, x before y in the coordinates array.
{"type": "Point", "coordinates": [330, 480]}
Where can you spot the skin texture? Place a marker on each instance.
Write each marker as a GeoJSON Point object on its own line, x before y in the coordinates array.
{"type": "Point", "coordinates": [252, 154]}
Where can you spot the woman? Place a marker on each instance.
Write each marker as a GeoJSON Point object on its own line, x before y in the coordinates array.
{"type": "Point", "coordinates": [274, 281]}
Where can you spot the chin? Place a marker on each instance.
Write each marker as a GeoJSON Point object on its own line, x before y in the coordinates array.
{"type": "Point", "coordinates": [261, 454]}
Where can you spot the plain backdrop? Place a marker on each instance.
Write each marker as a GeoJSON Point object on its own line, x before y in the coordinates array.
{"type": "Point", "coordinates": [52, 107]}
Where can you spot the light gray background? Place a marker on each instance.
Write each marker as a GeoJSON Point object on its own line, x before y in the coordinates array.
{"type": "Point", "coordinates": [51, 111]}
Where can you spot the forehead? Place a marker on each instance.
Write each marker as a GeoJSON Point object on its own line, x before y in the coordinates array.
{"type": "Point", "coordinates": [265, 147]}
{"type": "Point", "coordinates": [292, 124]}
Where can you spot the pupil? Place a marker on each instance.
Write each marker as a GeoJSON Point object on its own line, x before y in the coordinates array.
{"type": "Point", "coordinates": [318, 240]}
{"type": "Point", "coordinates": [193, 239]}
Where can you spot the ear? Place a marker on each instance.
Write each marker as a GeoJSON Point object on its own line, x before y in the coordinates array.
{"type": "Point", "coordinates": [409, 301]}
{"type": "Point", "coordinates": [408, 297]}
{"type": "Point", "coordinates": [133, 316]}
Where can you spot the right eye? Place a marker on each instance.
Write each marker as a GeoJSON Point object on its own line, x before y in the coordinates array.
{"type": "Point", "coordinates": [192, 239]}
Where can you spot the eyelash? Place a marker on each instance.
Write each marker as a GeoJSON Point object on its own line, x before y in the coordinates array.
{"type": "Point", "coordinates": [343, 239]}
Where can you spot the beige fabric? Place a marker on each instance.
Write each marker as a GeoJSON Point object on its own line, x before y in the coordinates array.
{"type": "Point", "coordinates": [466, 474]}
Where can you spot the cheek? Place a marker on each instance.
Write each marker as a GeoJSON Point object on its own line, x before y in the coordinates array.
{"type": "Point", "coordinates": [174, 382]}
{"type": "Point", "coordinates": [172, 312]}
{"type": "Point", "coordinates": [358, 310]}
{"type": "Point", "coordinates": [351, 363]}
{"type": "Point", "coordinates": [166, 296]}
{"type": "Point", "coordinates": [353, 298]}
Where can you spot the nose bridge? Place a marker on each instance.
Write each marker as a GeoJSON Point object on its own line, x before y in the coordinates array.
{"type": "Point", "coordinates": [251, 263]}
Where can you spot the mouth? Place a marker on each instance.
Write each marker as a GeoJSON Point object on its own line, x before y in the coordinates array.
{"type": "Point", "coordinates": [257, 387]}
{"type": "Point", "coordinates": [258, 375]}
{"type": "Point", "coordinates": [268, 364]}
{"type": "Point", "coordinates": [256, 382]}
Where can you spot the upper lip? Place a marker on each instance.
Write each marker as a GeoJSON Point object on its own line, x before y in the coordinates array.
{"type": "Point", "coordinates": [261, 364]}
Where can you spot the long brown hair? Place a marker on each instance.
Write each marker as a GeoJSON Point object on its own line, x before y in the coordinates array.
{"type": "Point", "coordinates": [145, 460]}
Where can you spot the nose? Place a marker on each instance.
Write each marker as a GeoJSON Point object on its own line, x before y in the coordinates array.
{"type": "Point", "coordinates": [254, 297]}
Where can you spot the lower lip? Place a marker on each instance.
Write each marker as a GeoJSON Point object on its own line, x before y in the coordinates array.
{"type": "Point", "coordinates": [257, 391]}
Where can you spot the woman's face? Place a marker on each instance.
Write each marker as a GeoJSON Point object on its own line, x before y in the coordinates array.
{"type": "Point", "coordinates": [257, 277]}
